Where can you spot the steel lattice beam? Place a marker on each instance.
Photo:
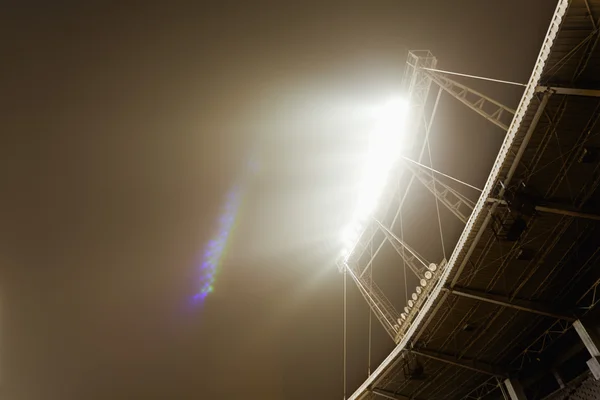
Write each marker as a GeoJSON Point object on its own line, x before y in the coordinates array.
{"type": "Point", "coordinates": [484, 389]}
{"type": "Point", "coordinates": [494, 112]}
{"type": "Point", "coordinates": [414, 260]}
{"type": "Point", "coordinates": [517, 304]}
{"type": "Point", "coordinates": [458, 204]}
{"type": "Point", "coordinates": [389, 395]}
{"type": "Point", "coordinates": [473, 365]}
{"type": "Point", "coordinates": [554, 208]}
{"type": "Point", "coordinates": [573, 153]}
{"type": "Point", "coordinates": [570, 91]}
{"type": "Point", "coordinates": [483, 105]}
{"type": "Point", "coordinates": [380, 305]}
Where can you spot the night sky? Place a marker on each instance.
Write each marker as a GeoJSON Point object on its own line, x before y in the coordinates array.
{"type": "Point", "coordinates": [125, 126]}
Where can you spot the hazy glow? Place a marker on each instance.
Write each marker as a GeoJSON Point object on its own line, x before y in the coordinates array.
{"type": "Point", "coordinates": [385, 145]}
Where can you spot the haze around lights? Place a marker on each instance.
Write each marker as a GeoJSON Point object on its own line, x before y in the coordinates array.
{"type": "Point", "coordinates": [385, 146]}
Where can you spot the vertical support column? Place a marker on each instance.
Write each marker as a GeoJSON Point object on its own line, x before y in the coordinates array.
{"type": "Point", "coordinates": [590, 338]}
{"type": "Point", "coordinates": [503, 390]}
{"type": "Point", "coordinates": [514, 389]}
{"type": "Point", "coordinates": [558, 378]}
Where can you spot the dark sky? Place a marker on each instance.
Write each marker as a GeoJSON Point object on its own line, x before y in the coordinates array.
{"type": "Point", "coordinates": [123, 127]}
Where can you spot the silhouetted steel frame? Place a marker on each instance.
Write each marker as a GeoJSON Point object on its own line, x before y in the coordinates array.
{"type": "Point", "coordinates": [512, 131]}
{"type": "Point", "coordinates": [586, 191]}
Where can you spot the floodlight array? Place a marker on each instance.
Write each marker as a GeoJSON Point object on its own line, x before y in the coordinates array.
{"type": "Point", "coordinates": [385, 146]}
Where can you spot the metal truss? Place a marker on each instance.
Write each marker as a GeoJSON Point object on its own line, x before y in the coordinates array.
{"type": "Point", "coordinates": [433, 380]}
{"type": "Point", "coordinates": [381, 306]}
{"type": "Point", "coordinates": [590, 46]}
{"type": "Point", "coordinates": [499, 115]}
{"type": "Point", "coordinates": [506, 258]}
{"type": "Point", "coordinates": [458, 204]}
{"type": "Point", "coordinates": [507, 181]}
{"type": "Point", "coordinates": [413, 259]}
{"type": "Point", "coordinates": [582, 236]}
{"type": "Point", "coordinates": [521, 305]}
{"type": "Point", "coordinates": [451, 336]}
{"type": "Point", "coordinates": [472, 365]}
{"type": "Point", "coordinates": [418, 79]}
{"type": "Point", "coordinates": [549, 132]}
{"type": "Point", "coordinates": [535, 322]}
{"type": "Point", "coordinates": [389, 395]}
{"type": "Point", "coordinates": [543, 341]}
{"type": "Point", "coordinates": [591, 297]}
{"type": "Point", "coordinates": [447, 304]}
{"type": "Point", "coordinates": [427, 333]}
{"type": "Point", "coordinates": [418, 83]}
{"type": "Point", "coordinates": [488, 386]}
{"type": "Point", "coordinates": [569, 91]}
{"type": "Point", "coordinates": [415, 304]}
{"type": "Point", "coordinates": [591, 262]}
{"type": "Point", "coordinates": [389, 379]}
{"type": "Point", "coordinates": [509, 176]}
{"type": "Point", "coordinates": [586, 302]}
{"type": "Point", "coordinates": [573, 153]}
{"type": "Point", "coordinates": [490, 320]}
{"type": "Point", "coordinates": [464, 367]}
{"type": "Point", "coordinates": [459, 378]}
{"type": "Point", "coordinates": [447, 388]}
{"type": "Point", "coordinates": [478, 266]}
{"type": "Point", "coordinates": [438, 387]}
{"type": "Point", "coordinates": [588, 43]}
{"type": "Point", "coordinates": [548, 245]}
{"type": "Point", "coordinates": [490, 109]}
{"type": "Point", "coordinates": [568, 158]}
{"type": "Point", "coordinates": [397, 379]}
{"type": "Point", "coordinates": [588, 189]}
{"type": "Point", "coordinates": [560, 228]}
{"type": "Point", "coordinates": [552, 234]}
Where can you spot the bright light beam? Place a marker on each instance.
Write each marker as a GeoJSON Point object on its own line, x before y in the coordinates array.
{"type": "Point", "coordinates": [385, 146]}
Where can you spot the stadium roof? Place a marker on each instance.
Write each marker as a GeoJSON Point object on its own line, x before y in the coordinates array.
{"type": "Point", "coordinates": [522, 268]}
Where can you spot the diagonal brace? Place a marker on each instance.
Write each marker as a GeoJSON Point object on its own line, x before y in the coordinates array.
{"type": "Point", "coordinates": [521, 305]}
{"type": "Point", "coordinates": [483, 105]}
{"type": "Point", "coordinates": [473, 365]}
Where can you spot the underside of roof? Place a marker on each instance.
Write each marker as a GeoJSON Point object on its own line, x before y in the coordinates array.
{"type": "Point", "coordinates": [532, 241]}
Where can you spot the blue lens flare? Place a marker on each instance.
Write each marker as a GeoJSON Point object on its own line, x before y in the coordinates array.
{"type": "Point", "coordinates": [215, 248]}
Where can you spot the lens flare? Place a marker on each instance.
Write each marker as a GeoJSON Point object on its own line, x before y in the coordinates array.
{"type": "Point", "coordinates": [215, 248]}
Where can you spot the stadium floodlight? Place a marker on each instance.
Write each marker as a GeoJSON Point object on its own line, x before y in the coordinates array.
{"type": "Point", "coordinates": [385, 147]}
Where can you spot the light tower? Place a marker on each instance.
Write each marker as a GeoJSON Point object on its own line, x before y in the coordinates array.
{"type": "Point", "coordinates": [420, 77]}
